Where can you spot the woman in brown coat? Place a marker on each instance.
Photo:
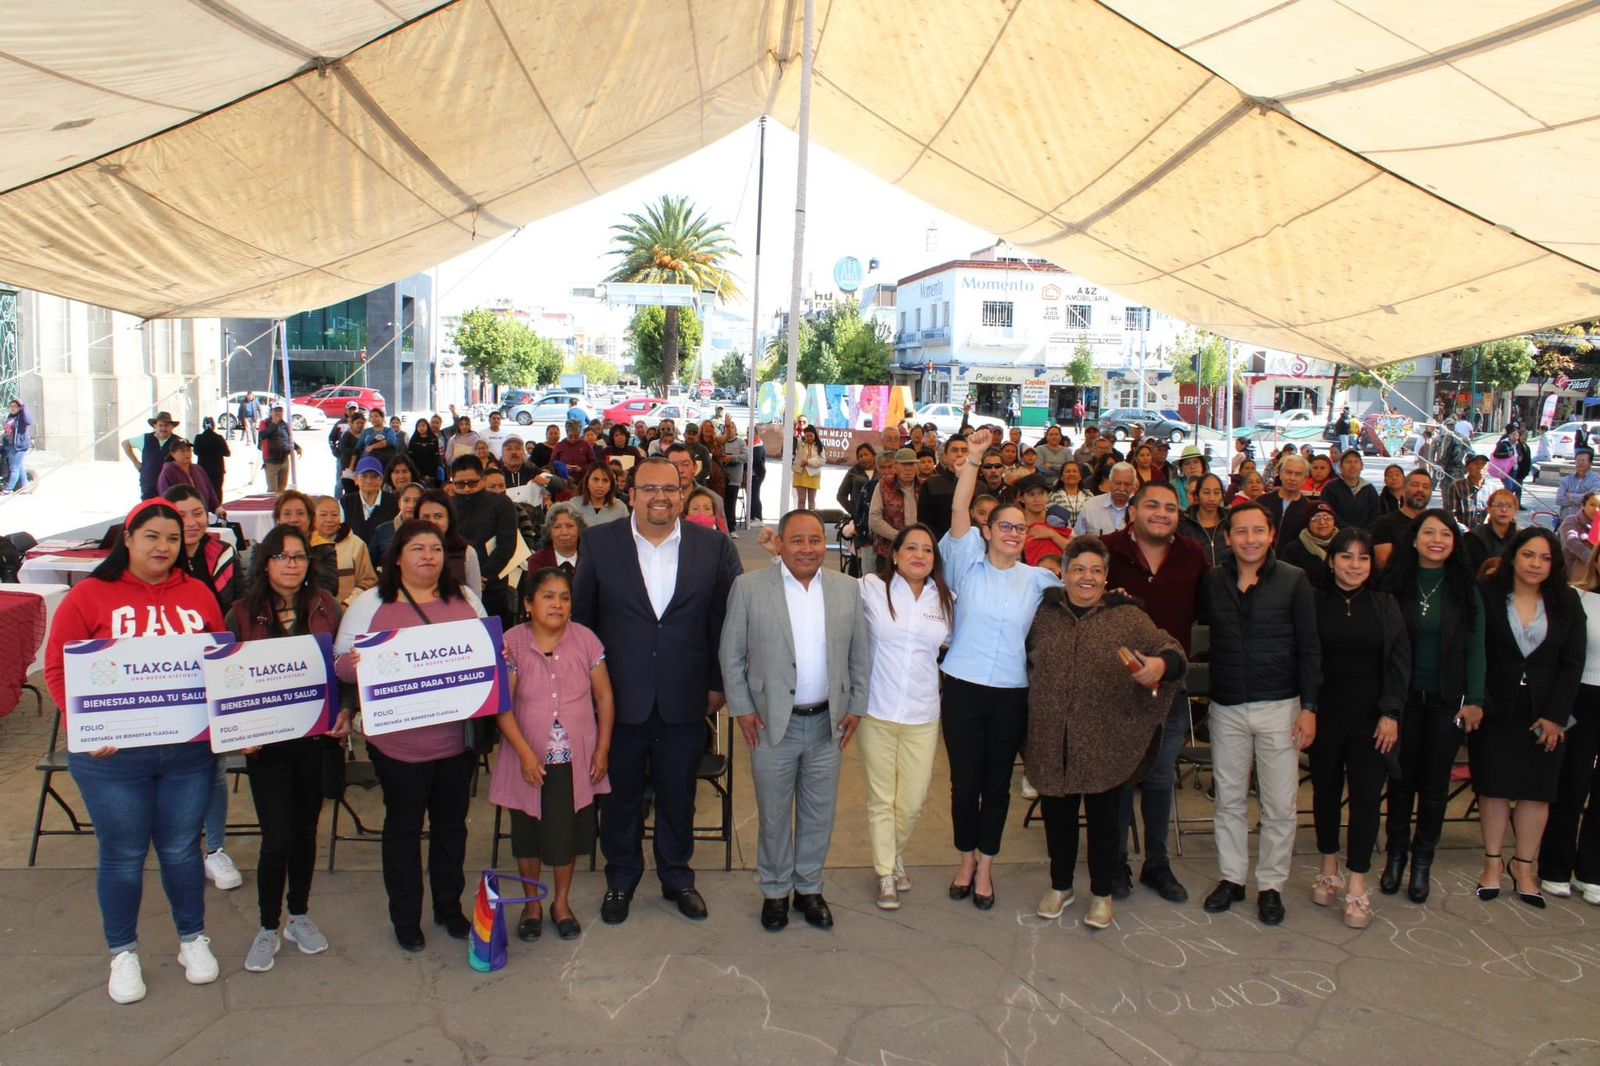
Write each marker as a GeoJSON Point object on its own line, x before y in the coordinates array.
{"type": "Point", "coordinates": [1093, 725]}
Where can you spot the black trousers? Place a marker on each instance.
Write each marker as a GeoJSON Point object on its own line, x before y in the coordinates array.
{"type": "Point", "coordinates": [1338, 758]}
{"type": "Point", "coordinates": [1429, 741]}
{"type": "Point", "coordinates": [730, 502]}
{"type": "Point", "coordinates": [286, 784]}
{"type": "Point", "coordinates": [441, 790]}
{"type": "Point", "coordinates": [1061, 838]}
{"type": "Point", "coordinates": [665, 756]}
{"type": "Point", "coordinates": [983, 731]}
{"type": "Point", "coordinates": [1571, 850]}
{"type": "Point", "coordinates": [756, 478]}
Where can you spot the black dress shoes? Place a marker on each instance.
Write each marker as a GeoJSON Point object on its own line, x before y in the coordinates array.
{"type": "Point", "coordinates": [1394, 868]}
{"type": "Point", "coordinates": [614, 907]}
{"type": "Point", "coordinates": [455, 925]}
{"type": "Point", "coordinates": [568, 928]}
{"type": "Point", "coordinates": [1225, 895]}
{"type": "Point", "coordinates": [1122, 883]}
{"type": "Point", "coordinates": [690, 904]}
{"type": "Point", "coordinates": [1269, 906]}
{"type": "Point", "coordinates": [529, 928]}
{"type": "Point", "coordinates": [774, 914]}
{"type": "Point", "coordinates": [1165, 883]}
{"type": "Point", "coordinates": [815, 909]}
{"type": "Point", "coordinates": [409, 937]}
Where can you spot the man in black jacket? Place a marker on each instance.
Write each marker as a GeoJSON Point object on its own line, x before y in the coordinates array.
{"type": "Point", "coordinates": [482, 517]}
{"type": "Point", "coordinates": [933, 503]}
{"type": "Point", "coordinates": [1354, 501]}
{"type": "Point", "coordinates": [655, 591]}
{"type": "Point", "coordinates": [1266, 663]}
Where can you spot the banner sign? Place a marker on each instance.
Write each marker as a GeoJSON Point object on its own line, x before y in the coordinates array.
{"type": "Point", "coordinates": [263, 691]}
{"type": "Point", "coordinates": [429, 675]}
{"type": "Point", "coordinates": [136, 692]}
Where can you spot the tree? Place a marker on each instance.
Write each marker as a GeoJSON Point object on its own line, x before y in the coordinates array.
{"type": "Point", "coordinates": [503, 351]}
{"type": "Point", "coordinates": [1201, 359]}
{"type": "Point", "coordinates": [1502, 366]}
{"type": "Point", "coordinates": [730, 372]}
{"type": "Point", "coordinates": [669, 244]}
{"type": "Point", "coordinates": [1081, 370]}
{"type": "Point", "coordinates": [1381, 378]}
{"type": "Point", "coordinates": [599, 371]}
{"type": "Point", "coordinates": [815, 364]}
{"type": "Point", "coordinates": [860, 346]}
{"type": "Point", "coordinates": [647, 337]}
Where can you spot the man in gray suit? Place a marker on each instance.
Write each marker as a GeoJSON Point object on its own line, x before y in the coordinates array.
{"type": "Point", "coordinates": [795, 664]}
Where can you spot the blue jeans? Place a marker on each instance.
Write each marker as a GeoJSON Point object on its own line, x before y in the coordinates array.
{"type": "Point", "coordinates": [138, 795]}
{"type": "Point", "coordinates": [1155, 791]}
{"type": "Point", "coordinates": [217, 809]}
{"type": "Point", "coordinates": [16, 470]}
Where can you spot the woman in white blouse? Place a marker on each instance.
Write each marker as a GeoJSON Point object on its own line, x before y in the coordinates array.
{"type": "Point", "coordinates": [909, 612]}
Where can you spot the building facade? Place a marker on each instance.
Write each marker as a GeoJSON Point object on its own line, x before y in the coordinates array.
{"type": "Point", "coordinates": [381, 340]}
{"type": "Point", "coordinates": [92, 377]}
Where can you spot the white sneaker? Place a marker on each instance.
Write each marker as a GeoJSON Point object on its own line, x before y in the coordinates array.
{"type": "Point", "coordinates": [199, 965]}
{"type": "Point", "coordinates": [221, 870]}
{"type": "Point", "coordinates": [1054, 903]}
{"type": "Point", "coordinates": [902, 880]}
{"type": "Point", "coordinates": [1591, 893]}
{"type": "Point", "coordinates": [1028, 791]}
{"type": "Point", "coordinates": [888, 898]}
{"type": "Point", "coordinates": [1562, 889]}
{"type": "Point", "coordinates": [262, 951]}
{"type": "Point", "coordinates": [127, 981]}
{"type": "Point", "coordinates": [304, 934]}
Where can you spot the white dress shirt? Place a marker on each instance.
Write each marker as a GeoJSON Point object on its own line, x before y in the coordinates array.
{"type": "Point", "coordinates": [659, 565]}
{"type": "Point", "coordinates": [905, 650]}
{"type": "Point", "coordinates": [807, 624]}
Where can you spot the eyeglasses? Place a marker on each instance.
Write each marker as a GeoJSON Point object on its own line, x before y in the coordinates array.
{"type": "Point", "coordinates": [993, 466]}
{"type": "Point", "coordinates": [1011, 527]}
{"type": "Point", "coordinates": [466, 486]}
{"type": "Point", "coordinates": [656, 490]}
{"type": "Point", "coordinates": [291, 560]}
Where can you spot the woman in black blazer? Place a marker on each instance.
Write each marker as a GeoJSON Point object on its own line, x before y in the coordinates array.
{"type": "Point", "coordinates": [1535, 640]}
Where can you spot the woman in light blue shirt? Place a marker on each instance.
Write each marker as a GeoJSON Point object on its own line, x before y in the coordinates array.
{"type": "Point", "coordinates": [984, 705]}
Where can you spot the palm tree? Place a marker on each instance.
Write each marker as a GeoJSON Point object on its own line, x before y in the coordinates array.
{"type": "Point", "coordinates": [669, 244]}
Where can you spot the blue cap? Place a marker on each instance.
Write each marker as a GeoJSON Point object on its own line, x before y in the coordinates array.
{"type": "Point", "coordinates": [559, 469]}
{"type": "Point", "coordinates": [369, 465]}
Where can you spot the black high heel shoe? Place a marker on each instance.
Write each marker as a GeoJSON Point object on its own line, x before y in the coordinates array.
{"type": "Point", "coordinates": [1484, 892]}
{"type": "Point", "coordinates": [1532, 899]}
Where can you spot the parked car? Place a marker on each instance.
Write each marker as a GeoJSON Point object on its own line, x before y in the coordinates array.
{"type": "Point", "coordinates": [630, 411]}
{"type": "Point", "coordinates": [1556, 443]}
{"type": "Point", "coordinates": [680, 413]}
{"type": "Point", "coordinates": [946, 418]}
{"type": "Point", "coordinates": [332, 400]}
{"type": "Point", "coordinates": [299, 415]}
{"type": "Point", "coordinates": [1118, 423]}
{"type": "Point", "coordinates": [515, 397]}
{"type": "Point", "coordinates": [1295, 418]}
{"type": "Point", "coordinates": [548, 410]}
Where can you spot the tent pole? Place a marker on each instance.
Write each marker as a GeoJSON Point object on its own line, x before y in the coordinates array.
{"type": "Point", "coordinates": [790, 380]}
{"type": "Point", "coordinates": [281, 331]}
{"type": "Point", "coordinates": [755, 323]}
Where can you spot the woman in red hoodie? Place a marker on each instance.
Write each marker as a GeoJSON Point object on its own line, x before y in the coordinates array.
{"type": "Point", "coordinates": [286, 777]}
{"type": "Point", "coordinates": [157, 793]}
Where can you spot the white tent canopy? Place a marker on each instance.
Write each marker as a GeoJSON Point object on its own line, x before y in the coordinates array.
{"type": "Point", "coordinates": [1358, 180]}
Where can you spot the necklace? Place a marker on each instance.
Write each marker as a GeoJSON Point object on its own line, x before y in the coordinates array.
{"type": "Point", "coordinates": [1348, 600]}
{"type": "Point", "coordinates": [1427, 599]}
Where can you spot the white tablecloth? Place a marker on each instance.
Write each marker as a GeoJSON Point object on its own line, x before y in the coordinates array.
{"type": "Point", "coordinates": [52, 570]}
{"type": "Point", "coordinates": [253, 518]}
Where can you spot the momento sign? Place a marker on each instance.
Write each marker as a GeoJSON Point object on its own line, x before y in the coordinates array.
{"type": "Point", "coordinates": [262, 691]}
{"type": "Point", "coordinates": [137, 692]}
{"type": "Point", "coordinates": [430, 675]}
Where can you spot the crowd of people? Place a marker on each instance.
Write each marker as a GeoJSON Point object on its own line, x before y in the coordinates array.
{"type": "Point", "coordinates": [1035, 600]}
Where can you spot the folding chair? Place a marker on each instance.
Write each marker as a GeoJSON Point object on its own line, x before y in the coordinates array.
{"type": "Point", "coordinates": [358, 773]}
{"type": "Point", "coordinates": [1194, 755]}
{"type": "Point", "coordinates": [54, 761]}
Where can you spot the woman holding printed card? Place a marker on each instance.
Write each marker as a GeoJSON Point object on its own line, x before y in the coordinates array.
{"type": "Point", "coordinates": [557, 743]}
{"type": "Point", "coordinates": [426, 770]}
{"type": "Point", "coordinates": [286, 776]}
{"type": "Point", "coordinates": [156, 793]}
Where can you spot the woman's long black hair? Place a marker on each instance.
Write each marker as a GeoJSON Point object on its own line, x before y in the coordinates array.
{"type": "Point", "coordinates": [1341, 541]}
{"type": "Point", "coordinates": [947, 603]}
{"type": "Point", "coordinates": [389, 577]}
{"type": "Point", "coordinates": [116, 564]}
{"type": "Point", "coordinates": [1401, 578]}
{"type": "Point", "coordinates": [1498, 585]}
{"type": "Point", "coordinates": [259, 599]}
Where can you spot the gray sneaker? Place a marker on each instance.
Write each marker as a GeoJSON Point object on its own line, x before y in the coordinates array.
{"type": "Point", "coordinates": [262, 951]}
{"type": "Point", "coordinates": [303, 932]}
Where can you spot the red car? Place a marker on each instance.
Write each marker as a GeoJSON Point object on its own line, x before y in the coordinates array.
{"type": "Point", "coordinates": [332, 400]}
{"type": "Point", "coordinates": [629, 411]}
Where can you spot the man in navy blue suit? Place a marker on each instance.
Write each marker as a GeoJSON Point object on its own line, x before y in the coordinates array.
{"type": "Point", "coordinates": [655, 589]}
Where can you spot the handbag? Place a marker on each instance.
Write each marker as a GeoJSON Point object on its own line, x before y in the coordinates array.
{"type": "Point", "coordinates": [487, 942]}
{"type": "Point", "coordinates": [478, 734]}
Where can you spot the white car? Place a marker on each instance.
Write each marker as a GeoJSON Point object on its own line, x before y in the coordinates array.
{"type": "Point", "coordinates": [548, 410]}
{"type": "Point", "coordinates": [300, 416]}
{"type": "Point", "coordinates": [1298, 418]}
{"type": "Point", "coordinates": [946, 418]}
{"type": "Point", "coordinates": [681, 414]}
{"type": "Point", "coordinates": [1556, 443]}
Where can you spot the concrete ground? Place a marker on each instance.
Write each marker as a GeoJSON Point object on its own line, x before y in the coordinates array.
{"type": "Point", "coordinates": [1454, 982]}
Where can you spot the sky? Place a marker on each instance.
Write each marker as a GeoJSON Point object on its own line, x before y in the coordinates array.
{"type": "Point", "coordinates": [850, 212]}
